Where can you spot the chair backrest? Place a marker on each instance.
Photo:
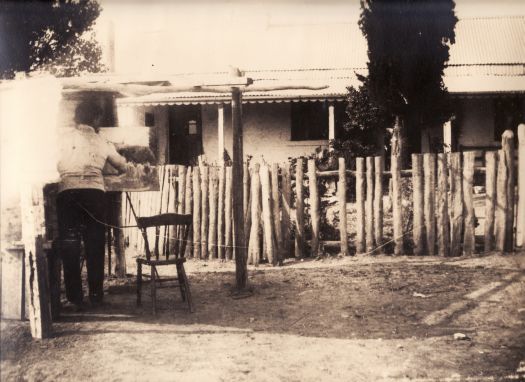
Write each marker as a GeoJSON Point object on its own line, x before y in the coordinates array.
{"type": "Point", "coordinates": [175, 239]}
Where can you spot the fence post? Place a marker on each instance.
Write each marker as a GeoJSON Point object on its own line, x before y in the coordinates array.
{"type": "Point", "coordinates": [370, 244]}
{"type": "Point", "coordinates": [188, 204]}
{"type": "Point", "coordinates": [228, 214]}
{"type": "Point", "coordinates": [378, 201]}
{"type": "Point", "coordinates": [429, 165]}
{"type": "Point", "coordinates": [507, 144]}
{"type": "Point", "coordinates": [456, 204]}
{"type": "Point", "coordinates": [443, 221]}
{"type": "Point", "coordinates": [299, 209]}
{"type": "Point", "coordinates": [254, 246]}
{"type": "Point", "coordinates": [397, 213]}
{"type": "Point", "coordinates": [196, 213]}
{"type": "Point", "coordinates": [468, 203]}
{"type": "Point", "coordinates": [490, 198]}
{"type": "Point", "coordinates": [520, 240]}
{"type": "Point", "coordinates": [278, 234]}
{"type": "Point", "coordinates": [220, 215]}
{"type": "Point", "coordinates": [205, 210]}
{"type": "Point", "coordinates": [267, 214]}
{"type": "Point", "coordinates": [314, 207]}
{"type": "Point", "coordinates": [212, 232]}
{"type": "Point", "coordinates": [246, 187]}
{"type": "Point", "coordinates": [418, 232]}
{"type": "Point", "coordinates": [287, 205]}
{"type": "Point", "coordinates": [360, 204]}
{"type": "Point", "coordinates": [341, 188]}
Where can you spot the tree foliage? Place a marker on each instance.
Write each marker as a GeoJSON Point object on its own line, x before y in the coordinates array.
{"type": "Point", "coordinates": [54, 35]}
{"type": "Point", "coordinates": [408, 48]}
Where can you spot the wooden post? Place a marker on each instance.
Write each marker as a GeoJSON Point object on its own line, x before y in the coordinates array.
{"type": "Point", "coordinates": [254, 247]}
{"type": "Point", "coordinates": [287, 205]}
{"type": "Point", "coordinates": [520, 229]}
{"type": "Point", "coordinates": [205, 209]}
{"type": "Point", "coordinates": [212, 232]}
{"type": "Point", "coordinates": [418, 232]}
{"type": "Point", "coordinates": [36, 269]}
{"type": "Point", "coordinates": [360, 203]}
{"type": "Point", "coordinates": [331, 125]}
{"type": "Point", "coordinates": [267, 214]}
{"type": "Point", "coordinates": [241, 273]}
{"type": "Point", "coordinates": [456, 204]}
{"type": "Point", "coordinates": [443, 220]}
{"type": "Point", "coordinates": [508, 147]}
{"type": "Point", "coordinates": [314, 207]}
{"type": "Point", "coordinates": [120, 250]}
{"type": "Point", "coordinates": [429, 166]}
{"type": "Point", "coordinates": [370, 244]}
{"type": "Point", "coordinates": [220, 216]}
{"type": "Point", "coordinates": [397, 215]}
{"type": "Point", "coordinates": [501, 202]}
{"type": "Point", "coordinates": [378, 201]}
{"type": "Point", "coordinates": [246, 188]}
{"type": "Point", "coordinates": [228, 240]}
{"type": "Point", "coordinates": [196, 213]}
{"type": "Point", "coordinates": [188, 209]}
{"type": "Point", "coordinates": [490, 198]}
{"type": "Point", "coordinates": [277, 211]}
{"type": "Point", "coordinates": [299, 209]}
{"type": "Point", "coordinates": [468, 208]}
{"type": "Point", "coordinates": [181, 195]}
{"type": "Point", "coordinates": [341, 188]}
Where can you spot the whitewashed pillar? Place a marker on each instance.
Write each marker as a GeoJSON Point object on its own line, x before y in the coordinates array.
{"type": "Point", "coordinates": [447, 136]}
{"type": "Point", "coordinates": [331, 124]}
{"type": "Point", "coordinates": [220, 132]}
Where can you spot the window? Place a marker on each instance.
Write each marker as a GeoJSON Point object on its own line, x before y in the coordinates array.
{"type": "Point", "coordinates": [309, 121]}
{"type": "Point", "coordinates": [508, 114]}
{"type": "Point", "coordinates": [149, 119]}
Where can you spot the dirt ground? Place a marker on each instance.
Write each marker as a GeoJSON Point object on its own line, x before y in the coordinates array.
{"type": "Point", "coordinates": [352, 319]}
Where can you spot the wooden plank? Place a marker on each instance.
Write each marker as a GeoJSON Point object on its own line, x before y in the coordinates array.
{"type": "Point", "coordinates": [120, 249]}
{"type": "Point", "coordinates": [37, 284]}
{"type": "Point", "coordinates": [254, 247]}
{"type": "Point", "coordinates": [456, 205]}
{"type": "Point", "coordinates": [196, 213]}
{"type": "Point", "coordinates": [508, 147]}
{"type": "Point", "coordinates": [520, 228]}
{"type": "Point", "coordinates": [212, 232]}
{"type": "Point", "coordinates": [443, 218]}
{"type": "Point", "coordinates": [468, 203]}
{"type": "Point", "coordinates": [360, 205]}
{"type": "Point", "coordinates": [378, 201]}
{"type": "Point", "coordinates": [205, 218]}
{"type": "Point", "coordinates": [397, 212]}
{"type": "Point", "coordinates": [314, 208]}
{"type": "Point", "coordinates": [246, 188]}
{"type": "Point", "coordinates": [267, 214]}
{"type": "Point", "coordinates": [490, 198]}
{"type": "Point", "coordinates": [287, 205]}
{"type": "Point", "coordinates": [418, 233]}
{"type": "Point", "coordinates": [188, 208]}
{"type": "Point", "coordinates": [220, 216]}
{"type": "Point", "coordinates": [299, 209]}
{"type": "Point", "coordinates": [429, 202]}
{"type": "Point", "coordinates": [228, 214]}
{"type": "Point", "coordinates": [276, 198]}
{"type": "Point", "coordinates": [341, 199]}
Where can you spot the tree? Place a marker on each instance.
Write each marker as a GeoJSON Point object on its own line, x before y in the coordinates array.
{"type": "Point", "coordinates": [408, 47]}
{"type": "Point", "coordinates": [55, 35]}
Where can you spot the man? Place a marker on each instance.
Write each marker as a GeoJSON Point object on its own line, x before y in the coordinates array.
{"type": "Point", "coordinates": [81, 200]}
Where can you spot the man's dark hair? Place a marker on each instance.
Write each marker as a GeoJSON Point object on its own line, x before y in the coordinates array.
{"type": "Point", "coordinates": [86, 112]}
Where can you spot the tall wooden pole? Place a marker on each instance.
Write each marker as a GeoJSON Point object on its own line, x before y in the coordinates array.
{"type": "Point", "coordinates": [520, 241]}
{"type": "Point", "coordinates": [241, 273]}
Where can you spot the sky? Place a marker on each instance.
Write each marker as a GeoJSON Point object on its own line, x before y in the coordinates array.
{"type": "Point", "coordinates": [204, 36]}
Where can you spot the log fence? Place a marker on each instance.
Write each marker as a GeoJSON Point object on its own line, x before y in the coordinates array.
{"type": "Point", "coordinates": [445, 210]}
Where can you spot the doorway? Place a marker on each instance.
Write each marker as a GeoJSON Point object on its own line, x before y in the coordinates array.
{"type": "Point", "coordinates": [185, 132]}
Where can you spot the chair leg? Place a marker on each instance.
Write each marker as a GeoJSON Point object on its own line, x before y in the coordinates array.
{"type": "Point", "coordinates": [186, 282]}
{"type": "Point", "coordinates": [182, 286]}
{"type": "Point", "coordinates": [139, 283]}
{"type": "Point", "coordinates": [153, 289]}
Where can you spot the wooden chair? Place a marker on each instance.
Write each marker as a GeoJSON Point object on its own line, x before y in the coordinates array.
{"type": "Point", "coordinates": [182, 225]}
